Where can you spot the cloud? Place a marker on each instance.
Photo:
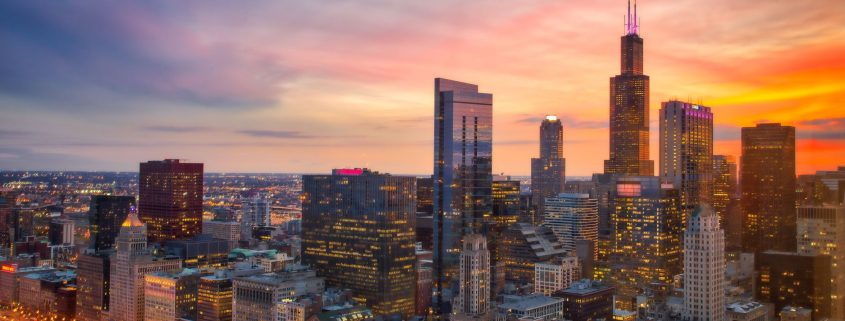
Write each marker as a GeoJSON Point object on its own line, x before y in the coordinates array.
{"type": "Point", "coordinates": [834, 123]}
{"type": "Point", "coordinates": [286, 134]}
{"type": "Point", "coordinates": [568, 121]}
{"type": "Point", "coordinates": [176, 129]}
{"type": "Point", "coordinates": [13, 133]}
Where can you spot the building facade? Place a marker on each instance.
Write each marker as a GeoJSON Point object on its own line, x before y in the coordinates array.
{"type": "Point", "coordinates": [171, 296]}
{"type": "Point", "coordinates": [104, 217]}
{"type": "Point", "coordinates": [358, 231]}
{"type": "Point", "coordinates": [463, 159]}
{"type": "Point", "coordinates": [255, 297]}
{"type": "Point", "coordinates": [792, 279]}
{"type": "Point", "coordinates": [548, 172]}
{"type": "Point", "coordinates": [573, 218]}
{"type": "Point", "coordinates": [586, 300]}
{"type": "Point", "coordinates": [170, 198]}
{"type": "Point", "coordinates": [92, 280]}
{"type": "Point", "coordinates": [522, 246]}
{"type": "Point", "coordinates": [768, 188]}
{"type": "Point", "coordinates": [224, 230]}
{"type": "Point", "coordinates": [821, 231]}
{"type": "Point", "coordinates": [686, 151]}
{"type": "Point", "coordinates": [556, 275]}
{"type": "Point", "coordinates": [704, 267]}
{"type": "Point", "coordinates": [473, 298]}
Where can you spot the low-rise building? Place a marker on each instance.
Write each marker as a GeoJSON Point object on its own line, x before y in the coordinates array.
{"type": "Point", "coordinates": [535, 305]}
{"type": "Point", "coordinates": [587, 300]}
{"type": "Point", "coordinates": [748, 311]}
{"type": "Point", "coordinates": [556, 275]}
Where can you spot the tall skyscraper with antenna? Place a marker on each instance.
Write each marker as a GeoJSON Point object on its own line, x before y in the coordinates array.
{"type": "Point", "coordinates": [629, 92]}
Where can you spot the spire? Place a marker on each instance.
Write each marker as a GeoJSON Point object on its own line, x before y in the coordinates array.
{"type": "Point", "coordinates": [132, 219]}
{"type": "Point", "coordinates": [632, 23]}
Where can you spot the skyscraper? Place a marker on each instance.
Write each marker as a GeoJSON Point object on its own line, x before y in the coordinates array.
{"type": "Point", "coordinates": [768, 188]}
{"type": "Point", "coordinates": [358, 232]}
{"type": "Point", "coordinates": [473, 300]}
{"type": "Point", "coordinates": [256, 213]}
{"type": "Point", "coordinates": [704, 267]}
{"type": "Point", "coordinates": [686, 151]}
{"type": "Point", "coordinates": [463, 158]}
{"type": "Point", "coordinates": [821, 231]}
{"type": "Point", "coordinates": [170, 199]}
{"type": "Point", "coordinates": [573, 218]}
{"type": "Point", "coordinates": [724, 188]}
{"type": "Point", "coordinates": [792, 279]}
{"type": "Point", "coordinates": [92, 279]}
{"type": "Point", "coordinates": [104, 217]}
{"type": "Point", "coordinates": [629, 92]}
{"type": "Point", "coordinates": [548, 172]}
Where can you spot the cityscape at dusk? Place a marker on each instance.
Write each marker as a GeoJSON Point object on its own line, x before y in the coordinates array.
{"type": "Point", "coordinates": [609, 160]}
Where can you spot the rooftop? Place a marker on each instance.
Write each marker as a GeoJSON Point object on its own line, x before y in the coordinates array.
{"type": "Point", "coordinates": [527, 302]}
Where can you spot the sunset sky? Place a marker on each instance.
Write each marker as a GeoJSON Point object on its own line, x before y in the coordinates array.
{"type": "Point", "coordinates": [306, 86]}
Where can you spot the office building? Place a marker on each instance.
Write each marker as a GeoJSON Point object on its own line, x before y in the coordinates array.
{"type": "Point", "coordinates": [629, 119]}
{"type": "Point", "coordinates": [104, 217]}
{"type": "Point", "coordinates": [50, 293]}
{"type": "Point", "coordinates": [358, 232]}
{"type": "Point", "coordinates": [748, 311]}
{"type": "Point", "coordinates": [255, 297]}
{"type": "Point", "coordinates": [201, 251]}
{"type": "Point", "coordinates": [548, 172]}
{"type": "Point", "coordinates": [506, 212]}
{"type": "Point", "coordinates": [214, 292]}
{"type": "Point", "coordinates": [62, 232]}
{"type": "Point", "coordinates": [92, 280]}
{"type": "Point", "coordinates": [792, 279]}
{"type": "Point", "coordinates": [473, 300]}
{"type": "Point", "coordinates": [463, 159]}
{"type": "Point", "coordinates": [170, 199]}
{"type": "Point", "coordinates": [704, 266]}
{"type": "Point", "coordinates": [821, 231]}
{"type": "Point", "coordinates": [556, 275]}
{"type": "Point", "coordinates": [768, 188]}
{"type": "Point", "coordinates": [789, 313]}
{"type": "Point", "coordinates": [686, 151]}
{"type": "Point", "coordinates": [529, 307]}
{"type": "Point", "coordinates": [587, 300]}
{"type": "Point", "coordinates": [724, 187]}
{"type": "Point", "coordinates": [522, 246]}
{"type": "Point", "coordinates": [255, 214]}
{"type": "Point", "coordinates": [425, 196]}
{"type": "Point", "coordinates": [823, 187]}
{"type": "Point", "coordinates": [224, 230]}
{"type": "Point", "coordinates": [129, 264]}
{"type": "Point", "coordinates": [572, 218]}
{"type": "Point", "coordinates": [171, 295]}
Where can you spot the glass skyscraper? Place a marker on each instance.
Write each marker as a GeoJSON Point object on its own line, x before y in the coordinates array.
{"type": "Point", "coordinates": [463, 152]}
{"type": "Point", "coordinates": [629, 92]}
{"type": "Point", "coordinates": [170, 199]}
{"type": "Point", "coordinates": [104, 217]}
{"type": "Point", "coordinates": [686, 151]}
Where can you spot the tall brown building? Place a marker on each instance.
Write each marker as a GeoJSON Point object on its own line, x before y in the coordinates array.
{"type": "Point", "coordinates": [170, 199]}
{"type": "Point", "coordinates": [768, 188]}
{"type": "Point", "coordinates": [548, 172]}
{"type": "Point", "coordinates": [629, 93]}
{"type": "Point", "coordinates": [792, 279]}
{"type": "Point", "coordinates": [724, 185]}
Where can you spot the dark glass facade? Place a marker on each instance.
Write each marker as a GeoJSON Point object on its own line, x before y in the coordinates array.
{"type": "Point", "coordinates": [358, 233]}
{"type": "Point", "coordinates": [768, 188]}
{"type": "Point", "coordinates": [463, 156]}
{"type": "Point", "coordinates": [170, 199]}
{"type": "Point", "coordinates": [92, 280]}
{"type": "Point", "coordinates": [425, 196]}
{"type": "Point", "coordinates": [104, 217]}
{"type": "Point", "coordinates": [548, 172]}
{"type": "Point", "coordinates": [629, 93]}
{"type": "Point", "coordinates": [791, 279]}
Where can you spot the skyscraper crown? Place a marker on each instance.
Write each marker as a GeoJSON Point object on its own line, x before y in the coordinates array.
{"type": "Point", "coordinates": [631, 23]}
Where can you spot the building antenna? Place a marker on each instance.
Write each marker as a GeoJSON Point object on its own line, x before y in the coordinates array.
{"type": "Point", "coordinates": [636, 22]}
{"type": "Point", "coordinates": [628, 21]}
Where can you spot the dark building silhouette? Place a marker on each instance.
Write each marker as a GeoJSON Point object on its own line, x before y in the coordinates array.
{"type": "Point", "coordinates": [768, 188]}
{"type": "Point", "coordinates": [358, 233]}
{"type": "Point", "coordinates": [629, 92]}
{"type": "Point", "coordinates": [170, 199]}
{"type": "Point", "coordinates": [425, 196]}
{"type": "Point", "coordinates": [105, 215]}
{"type": "Point", "coordinates": [463, 159]}
{"type": "Point", "coordinates": [548, 172]}
{"type": "Point", "coordinates": [92, 279]}
{"type": "Point", "coordinates": [587, 301]}
{"type": "Point", "coordinates": [792, 279]}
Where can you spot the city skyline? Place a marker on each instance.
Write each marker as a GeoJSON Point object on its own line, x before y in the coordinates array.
{"type": "Point", "coordinates": [295, 93]}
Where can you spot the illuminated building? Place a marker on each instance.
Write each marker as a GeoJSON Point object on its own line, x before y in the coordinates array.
{"type": "Point", "coordinates": [747, 311]}
{"type": "Point", "coordinates": [92, 280]}
{"type": "Point", "coordinates": [573, 218]}
{"type": "Point", "coordinates": [556, 275]}
{"type": "Point", "coordinates": [506, 212]}
{"type": "Point", "coordinates": [587, 301]}
{"type": "Point", "coordinates": [201, 251]}
{"type": "Point", "coordinates": [473, 299]}
{"type": "Point", "coordinates": [171, 296]}
{"type": "Point", "coordinates": [463, 160]}
{"type": "Point", "coordinates": [823, 187]}
{"type": "Point", "coordinates": [104, 217]}
{"type": "Point", "coordinates": [50, 293]}
{"type": "Point", "coordinates": [10, 275]}
{"type": "Point", "coordinates": [704, 267]}
{"type": "Point", "coordinates": [530, 307]}
{"type": "Point", "coordinates": [224, 230]}
{"type": "Point", "coordinates": [629, 92]}
{"type": "Point", "coordinates": [424, 282]}
{"type": "Point", "coordinates": [768, 188]}
{"type": "Point", "coordinates": [129, 264]}
{"type": "Point", "coordinates": [62, 232]}
{"type": "Point", "coordinates": [522, 246]}
{"type": "Point", "coordinates": [548, 172]}
{"type": "Point", "coordinates": [425, 196]}
{"type": "Point", "coordinates": [170, 199]}
{"type": "Point", "coordinates": [214, 298]}
{"type": "Point", "coordinates": [356, 313]}
{"type": "Point", "coordinates": [821, 231]}
{"type": "Point", "coordinates": [299, 309]}
{"type": "Point", "coordinates": [7, 201]}
{"type": "Point", "coordinates": [686, 151]}
{"type": "Point", "coordinates": [255, 297]}
{"type": "Point", "coordinates": [647, 247]}
{"type": "Point", "coordinates": [725, 199]}
{"type": "Point", "coordinates": [358, 232]}
{"type": "Point", "coordinates": [792, 279]}
{"type": "Point", "coordinates": [256, 214]}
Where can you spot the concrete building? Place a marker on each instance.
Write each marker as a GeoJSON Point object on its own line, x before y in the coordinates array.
{"type": "Point", "coordinates": [704, 267]}
{"type": "Point", "coordinates": [573, 218]}
{"type": "Point", "coordinates": [556, 275]}
{"type": "Point", "coordinates": [587, 300]}
{"type": "Point", "coordinates": [170, 296]}
{"type": "Point", "coordinates": [821, 231]}
{"type": "Point", "coordinates": [748, 311]}
{"type": "Point", "coordinates": [686, 151]}
{"type": "Point", "coordinates": [473, 300]}
{"type": "Point", "coordinates": [255, 297]}
{"type": "Point", "coordinates": [224, 230]}
{"type": "Point", "coordinates": [523, 245]}
{"type": "Point", "coordinates": [534, 306]}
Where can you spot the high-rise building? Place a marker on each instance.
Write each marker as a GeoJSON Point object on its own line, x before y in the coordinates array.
{"type": "Point", "coordinates": [463, 160]}
{"type": "Point", "coordinates": [92, 280]}
{"type": "Point", "coordinates": [647, 247]}
{"type": "Point", "coordinates": [548, 172]}
{"type": "Point", "coordinates": [522, 246]}
{"type": "Point", "coordinates": [768, 188]}
{"type": "Point", "coordinates": [425, 196]}
{"type": "Point", "coordinates": [686, 151]}
{"type": "Point", "coordinates": [473, 299]}
{"type": "Point", "coordinates": [821, 231]}
{"type": "Point", "coordinates": [725, 191]}
{"type": "Point", "coordinates": [704, 267]}
{"type": "Point", "coordinates": [256, 214]}
{"type": "Point", "coordinates": [214, 298]}
{"type": "Point", "coordinates": [506, 212]}
{"type": "Point", "coordinates": [171, 296]}
{"type": "Point", "coordinates": [104, 217]}
{"type": "Point", "coordinates": [358, 232]}
{"type": "Point", "coordinates": [629, 92]}
{"type": "Point", "coordinates": [823, 187]}
{"type": "Point", "coordinates": [170, 198]}
{"type": "Point", "coordinates": [129, 264]}
{"type": "Point", "coordinates": [255, 297]}
{"type": "Point", "coordinates": [587, 301]}
{"type": "Point", "coordinates": [62, 232]}
{"type": "Point", "coordinates": [792, 279]}
{"type": "Point", "coordinates": [573, 218]}
{"type": "Point", "coordinates": [556, 275]}
{"type": "Point", "coordinates": [224, 230]}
